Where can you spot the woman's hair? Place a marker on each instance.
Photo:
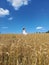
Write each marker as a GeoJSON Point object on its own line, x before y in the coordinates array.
{"type": "Point", "coordinates": [23, 28]}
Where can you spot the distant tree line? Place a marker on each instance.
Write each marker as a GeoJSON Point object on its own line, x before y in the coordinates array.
{"type": "Point", "coordinates": [47, 31]}
{"type": "Point", "coordinates": [43, 32]}
{"type": "Point", "coordinates": [38, 32]}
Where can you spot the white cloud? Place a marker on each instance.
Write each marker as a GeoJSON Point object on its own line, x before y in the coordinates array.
{"type": "Point", "coordinates": [3, 12]}
{"type": "Point", "coordinates": [18, 3]}
{"type": "Point", "coordinates": [4, 27]}
{"type": "Point", "coordinates": [39, 28]}
{"type": "Point", "coordinates": [10, 18]}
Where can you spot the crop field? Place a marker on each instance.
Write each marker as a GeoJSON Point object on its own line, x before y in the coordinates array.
{"type": "Point", "coordinates": [19, 49]}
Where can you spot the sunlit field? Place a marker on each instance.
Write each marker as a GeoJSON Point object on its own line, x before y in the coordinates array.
{"type": "Point", "coordinates": [19, 49]}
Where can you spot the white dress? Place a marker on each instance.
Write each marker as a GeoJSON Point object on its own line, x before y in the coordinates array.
{"type": "Point", "coordinates": [24, 32]}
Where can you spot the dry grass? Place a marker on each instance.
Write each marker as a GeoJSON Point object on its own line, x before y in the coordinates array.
{"type": "Point", "coordinates": [32, 49]}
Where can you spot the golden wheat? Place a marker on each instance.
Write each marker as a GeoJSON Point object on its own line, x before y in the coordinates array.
{"type": "Point", "coordinates": [18, 49]}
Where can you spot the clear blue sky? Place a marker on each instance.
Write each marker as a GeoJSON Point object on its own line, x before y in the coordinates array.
{"type": "Point", "coordinates": [31, 14]}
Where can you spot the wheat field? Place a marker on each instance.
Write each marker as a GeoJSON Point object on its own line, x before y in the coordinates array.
{"type": "Point", "coordinates": [18, 49]}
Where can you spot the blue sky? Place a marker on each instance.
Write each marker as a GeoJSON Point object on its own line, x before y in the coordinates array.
{"type": "Point", "coordinates": [31, 14]}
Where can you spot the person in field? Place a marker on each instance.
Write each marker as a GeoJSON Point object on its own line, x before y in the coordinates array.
{"type": "Point", "coordinates": [24, 31]}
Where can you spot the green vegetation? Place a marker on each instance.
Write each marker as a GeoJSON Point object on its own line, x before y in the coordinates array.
{"type": "Point", "coordinates": [47, 31]}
